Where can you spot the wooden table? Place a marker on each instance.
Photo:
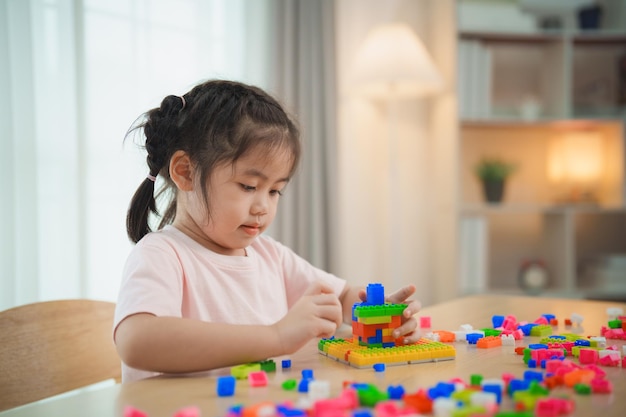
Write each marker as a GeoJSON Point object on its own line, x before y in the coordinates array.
{"type": "Point", "coordinates": [164, 396]}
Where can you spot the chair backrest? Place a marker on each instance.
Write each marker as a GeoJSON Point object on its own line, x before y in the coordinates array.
{"type": "Point", "coordinates": [52, 347]}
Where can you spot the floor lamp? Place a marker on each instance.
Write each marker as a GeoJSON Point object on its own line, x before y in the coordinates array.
{"type": "Point", "coordinates": [392, 65]}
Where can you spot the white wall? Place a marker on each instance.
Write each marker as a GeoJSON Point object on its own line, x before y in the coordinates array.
{"type": "Point", "coordinates": [409, 236]}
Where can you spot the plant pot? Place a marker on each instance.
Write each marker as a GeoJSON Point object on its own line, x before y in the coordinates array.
{"type": "Point", "coordinates": [493, 191]}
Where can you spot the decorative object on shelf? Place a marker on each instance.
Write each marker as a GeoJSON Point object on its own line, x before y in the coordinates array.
{"type": "Point", "coordinates": [565, 12]}
{"type": "Point", "coordinates": [589, 17]}
{"type": "Point", "coordinates": [533, 276]}
{"type": "Point", "coordinates": [493, 173]}
{"type": "Point", "coordinates": [530, 108]}
{"type": "Point", "coordinates": [576, 162]}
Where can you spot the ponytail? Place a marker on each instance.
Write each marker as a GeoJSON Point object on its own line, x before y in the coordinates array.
{"type": "Point", "coordinates": [141, 205]}
{"type": "Point", "coordinates": [160, 128]}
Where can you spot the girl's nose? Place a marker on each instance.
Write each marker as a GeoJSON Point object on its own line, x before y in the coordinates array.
{"type": "Point", "coordinates": [259, 207]}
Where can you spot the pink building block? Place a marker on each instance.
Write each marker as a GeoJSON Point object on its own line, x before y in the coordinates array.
{"type": "Point", "coordinates": [130, 411]}
{"type": "Point", "coordinates": [425, 322]}
{"type": "Point", "coordinates": [601, 386]}
{"type": "Point", "coordinates": [257, 379]}
{"type": "Point", "coordinates": [553, 407]}
{"type": "Point", "coordinates": [588, 356]}
{"type": "Point", "coordinates": [609, 358]}
{"type": "Point", "coordinates": [188, 412]}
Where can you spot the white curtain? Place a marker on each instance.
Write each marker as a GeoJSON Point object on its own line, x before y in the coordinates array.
{"type": "Point", "coordinates": [302, 50]}
{"type": "Point", "coordinates": [74, 75]}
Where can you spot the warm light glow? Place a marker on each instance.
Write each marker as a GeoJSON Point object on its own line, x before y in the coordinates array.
{"type": "Point", "coordinates": [393, 62]}
{"type": "Point", "coordinates": [576, 160]}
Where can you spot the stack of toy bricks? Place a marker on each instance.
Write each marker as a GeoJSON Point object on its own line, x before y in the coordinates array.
{"type": "Point", "coordinates": [373, 320]}
{"type": "Point", "coordinates": [372, 344]}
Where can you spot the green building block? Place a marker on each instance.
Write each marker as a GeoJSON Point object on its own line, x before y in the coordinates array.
{"type": "Point", "coordinates": [615, 324]}
{"type": "Point", "coordinates": [541, 330]}
{"type": "Point", "coordinates": [289, 384]}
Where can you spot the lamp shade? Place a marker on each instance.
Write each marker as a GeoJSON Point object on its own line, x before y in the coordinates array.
{"type": "Point", "coordinates": [393, 62]}
{"type": "Point", "coordinates": [576, 157]}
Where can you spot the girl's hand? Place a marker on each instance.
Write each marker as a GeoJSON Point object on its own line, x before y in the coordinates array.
{"type": "Point", "coordinates": [408, 329]}
{"type": "Point", "coordinates": [316, 314]}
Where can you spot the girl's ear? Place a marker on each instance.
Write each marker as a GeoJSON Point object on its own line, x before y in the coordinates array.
{"type": "Point", "coordinates": [181, 171]}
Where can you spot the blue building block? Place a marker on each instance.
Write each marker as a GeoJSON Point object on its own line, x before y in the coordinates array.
{"type": "Point", "coordinates": [442, 389]}
{"type": "Point", "coordinates": [286, 363]}
{"type": "Point", "coordinates": [497, 321]}
{"type": "Point", "coordinates": [526, 328]}
{"type": "Point", "coordinates": [307, 374]}
{"type": "Point", "coordinates": [375, 294]}
{"type": "Point", "coordinates": [226, 386]}
{"type": "Point", "coordinates": [533, 376]}
{"type": "Point", "coordinates": [518, 385]}
{"type": "Point", "coordinates": [395, 392]}
{"type": "Point", "coordinates": [235, 410]}
{"type": "Point", "coordinates": [285, 411]}
{"type": "Point", "coordinates": [472, 338]}
{"type": "Point", "coordinates": [303, 386]}
{"type": "Point", "coordinates": [495, 389]}
{"type": "Point", "coordinates": [379, 367]}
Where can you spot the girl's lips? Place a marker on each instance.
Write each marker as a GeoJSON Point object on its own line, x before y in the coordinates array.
{"type": "Point", "coordinates": [251, 230]}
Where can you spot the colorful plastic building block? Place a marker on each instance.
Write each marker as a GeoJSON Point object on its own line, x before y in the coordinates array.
{"type": "Point", "coordinates": [489, 342]}
{"type": "Point", "coordinates": [130, 411]}
{"type": "Point", "coordinates": [188, 412]}
{"type": "Point", "coordinates": [257, 379]}
{"type": "Point", "coordinates": [226, 386]}
{"type": "Point", "coordinates": [379, 367]}
{"type": "Point", "coordinates": [289, 384]}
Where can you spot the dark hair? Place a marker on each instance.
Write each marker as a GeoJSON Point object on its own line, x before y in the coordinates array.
{"type": "Point", "coordinates": [216, 122]}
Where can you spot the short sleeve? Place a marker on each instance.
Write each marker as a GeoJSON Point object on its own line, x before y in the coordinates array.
{"type": "Point", "coordinates": [152, 281]}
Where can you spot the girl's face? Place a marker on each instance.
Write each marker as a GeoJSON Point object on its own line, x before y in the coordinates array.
{"type": "Point", "coordinates": [243, 198]}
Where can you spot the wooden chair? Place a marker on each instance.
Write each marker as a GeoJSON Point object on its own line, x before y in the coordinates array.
{"type": "Point", "coordinates": [48, 348]}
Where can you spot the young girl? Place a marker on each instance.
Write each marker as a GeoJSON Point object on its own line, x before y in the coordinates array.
{"type": "Point", "coordinates": [207, 289]}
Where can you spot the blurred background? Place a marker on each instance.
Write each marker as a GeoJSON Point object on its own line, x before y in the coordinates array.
{"type": "Point", "coordinates": [463, 146]}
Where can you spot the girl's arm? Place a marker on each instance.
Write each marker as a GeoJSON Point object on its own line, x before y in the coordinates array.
{"type": "Point", "coordinates": [176, 345]}
{"type": "Point", "coordinates": [351, 295]}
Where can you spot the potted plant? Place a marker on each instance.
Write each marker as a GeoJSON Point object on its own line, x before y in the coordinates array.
{"type": "Point", "coordinates": [493, 173]}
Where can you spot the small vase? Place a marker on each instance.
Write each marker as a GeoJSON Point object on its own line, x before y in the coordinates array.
{"type": "Point", "coordinates": [493, 191]}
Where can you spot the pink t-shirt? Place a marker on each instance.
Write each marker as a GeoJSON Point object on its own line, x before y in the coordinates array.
{"type": "Point", "coordinates": [170, 274]}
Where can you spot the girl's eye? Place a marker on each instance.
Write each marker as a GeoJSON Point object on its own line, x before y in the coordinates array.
{"type": "Point", "coordinates": [247, 187]}
{"type": "Point", "coordinates": [276, 192]}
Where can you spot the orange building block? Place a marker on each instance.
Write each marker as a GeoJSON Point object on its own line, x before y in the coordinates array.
{"type": "Point", "coordinates": [489, 342]}
{"type": "Point", "coordinates": [445, 336]}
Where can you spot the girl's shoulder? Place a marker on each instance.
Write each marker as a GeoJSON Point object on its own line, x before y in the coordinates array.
{"type": "Point", "coordinates": [167, 239]}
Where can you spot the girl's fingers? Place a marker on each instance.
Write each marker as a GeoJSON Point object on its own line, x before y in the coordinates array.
{"type": "Point", "coordinates": [412, 308]}
{"type": "Point", "coordinates": [406, 328]}
{"type": "Point", "coordinates": [402, 294]}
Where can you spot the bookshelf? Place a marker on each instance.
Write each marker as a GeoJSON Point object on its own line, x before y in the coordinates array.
{"type": "Point", "coordinates": [519, 93]}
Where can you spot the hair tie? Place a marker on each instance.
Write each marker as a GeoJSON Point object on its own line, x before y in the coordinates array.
{"type": "Point", "coordinates": [184, 102]}
{"type": "Point", "coordinates": [151, 177]}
